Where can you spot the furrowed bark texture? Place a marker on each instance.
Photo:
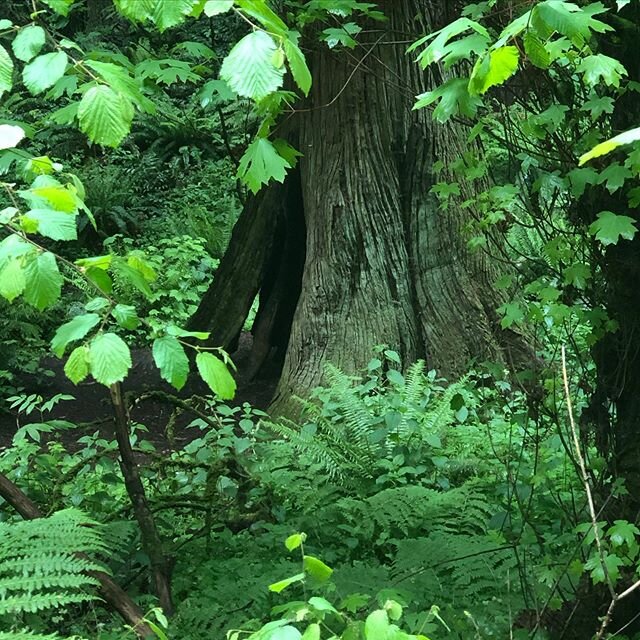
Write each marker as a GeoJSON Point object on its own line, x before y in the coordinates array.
{"type": "Point", "coordinates": [382, 262]}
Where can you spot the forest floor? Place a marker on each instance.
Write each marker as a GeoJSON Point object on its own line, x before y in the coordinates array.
{"type": "Point", "coordinates": [91, 407]}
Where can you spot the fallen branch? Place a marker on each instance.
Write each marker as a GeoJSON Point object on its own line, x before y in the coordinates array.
{"type": "Point", "coordinates": [111, 592]}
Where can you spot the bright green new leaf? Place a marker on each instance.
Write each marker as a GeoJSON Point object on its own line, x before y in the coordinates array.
{"type": "Point", "coordinates": [55, 194]}
{"type": "Point", "coordinates": [610, 227]}
{"type": "Point", "coordinates": [214, 7]}
{"type": "Point", "coordinates": [28, 43]}
{"type": "Point", "coordinates": [53, 224]}
{"type": "Point", "coordinates": [322, 604]}
{"type": "Point", "coordinates": [277, 587]}
{"type": "Point", "coordinates": [260, 11]}
{"type": "Point", "coordinates": [43, 281]}
{"type": "Point", "coordinates": [6, 71]}
{"type": "Point", "coordinates": [633, 135]}
{"type": "Point", "coordinates": [105, 116]}
{"type": "Point", "coordinates": [12, 279]}
{"type": "Point", "coordinates": [216, 374]}
{"type": "Point", "coordinates": [44, 71]}
{"type": "Point", "coordinates": [126, 316]}
{"type": "Point", "coordinates": [75, 329]}
{"type": "Point", "coordinates": [294, 541]}
{"type": "Point", "coordinates": [172, 361]}
{"type": "Point", "coordinates": [118, 78]}
{"type": "Point", "coordinates": [317, 569]}
{"type": "Point", "coordinates": [260, 163]}
{"type": "Point", "coordinates": [249, 69]}
{"type": "Point", "coordinates": [298, 65]}
{"type": "Point", "coordinates": [77, 366]}
{"type": "Point", "coordinates": [110, 358]}
{"type": "Point", "coordinates": [376, 626]}
{"type": "Point", "coordinates": [312, 632]}
{"type": "Point", "coordinates": [60, 6]}
{"type": "Point", "coordinates": [599, 67]}
{"type": "Point", "coordinates": [172, 330]}
{"type": "Point", "coordinates": [493, 69]}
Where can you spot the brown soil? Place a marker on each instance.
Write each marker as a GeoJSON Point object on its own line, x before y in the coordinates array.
{"type": "Point", "coordinates": [91, 409]}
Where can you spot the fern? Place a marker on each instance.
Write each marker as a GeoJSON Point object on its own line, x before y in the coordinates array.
{"type": "Point", "coordinates": [356, 426]}
{"type": "Point", "coordinates": [40, 565]}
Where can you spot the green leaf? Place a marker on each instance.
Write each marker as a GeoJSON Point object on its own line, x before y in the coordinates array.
{"type": "Point", "coordinates": [77, 366]}
{"type": "Point", "coordinates": [610, 227]}
{"type": "Point", "coordinates": [536, 51]}
{"type": "Point", "coordinates": [105, 116]}
{"type": "Point", "coordinates": [294, 541]}
{"type": "Point", "coordinates": [277, 587]}
{"type": "Point", "coordinates": [135, 10]}
{"type": "Point", "coordinates": [249, 69]}
{"type": "Point", "coordinates": [600, 67]}
{"type": "Point", "coordinates": [614, 176]}
{"type": "Point", "coordinates": [28, 43]}
{"type": "Point", "coordinates": [317, 569]}
{"type": "Point", "coordinates": [43, 281]}
{"type": "Point", "coordinates": [453, 97]}
{"type": "Point", "coordinates": [376, 626]}
{"type": "Point", "coordinates": [110, 358]}
{"type": "Point", "coordinates": [214, 7]}
{"type": "Point", "coordinates": [170, 13]}
{"type": "Point", "coordinates": [568, 19]}
{"type": "Point", "coordinates": [633, 135]}
{"type": "Point", "coordinates": [172, 361]}
{"type": "Point", "coordinates": [6, 71]}
{"type": "Point", "coordinates": [321, 604]}
{"type": "Point", "coordinates": [62, 7]}
{"type": "Point", "coordinates": [56, 225]}
{"type": "Point", "coordinates": [75, 329]}
{"type": "Point", "coordinates": [12, 279]}
{"type": "Point", "coordinates": [623, 532]}
{"type": "Point", "coordinates": [118, 78]}
{"type": "Point", "coordinates": [216, 374]}
{"type": "Point", "coordinates": [494, 69]}
{"type": "Point", "coordinates": [126, 316]}
{"type": "Point", "coordinates": [298, 65]}
{"type": "Point", "coordinates": [44, 71]}
{"type": "Point", "coordinates": [10, 136]}
{"type": "Point", "coordinates": [260, 163]}
{"type": "Point", "coordinates": [312, 632]}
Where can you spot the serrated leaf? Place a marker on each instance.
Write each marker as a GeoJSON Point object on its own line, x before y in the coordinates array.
{"type": "Point", "coordinates": [312, 632]}
{"type": "Point", "coordinates": [58, 196]}
{"type": "Point", "coordinates": [76, 368]}
{"type": "Point", "coordinates": [376, 626]}
{"type": "Point", "coordinates": [214, 7]}
{"type": "Point", "coordinates": [598, 67]}
{"type": "Point", "coordinates": [75, 329]}
{"type": "Point", "coordinates": [110, 358]}
{"type": "Point", "coordinates": [493, 69]}
{"type": "Point", "coordinates": [453, 97]}
{"type": "Point", "coordinates": [12, 280]}
{"type": "Point", "coordinates": [536, 51]}
{"type": "Point", "coordinates": [28, 43]}
{"type": "Point", "coordinates": [126, 316]}
{"type": "Point", "coordinates": [171, 359]}
{"type": "Point", "coordinates": [610, 227]}
{"type": "Point", "coordinates": [62, 7]}
{"type": "Point", "coordinates": [44, 71]}
{"type": "Point", "coordinates": [56, 225]}
{"type": "Point", "coordinates": [105, 116]}
{"type": "Point", "coordinates": [136, 10]}
{"type": "Point", "coordinates": [43, 281]}
{"type": "Point", "coordinates": [249, 68]}
{"type": "Point", "coordinates": [261, 163]}
{"type": "Point", "coordinates": [298, 65]}
{"type": "Point", "coordinates": [216, 374]}
{"type": "Point", "coordinates": [6, 71]}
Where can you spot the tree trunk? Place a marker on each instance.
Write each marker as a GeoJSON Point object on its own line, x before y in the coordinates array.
{"type": "Point", "coordinates": [384, 264]}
